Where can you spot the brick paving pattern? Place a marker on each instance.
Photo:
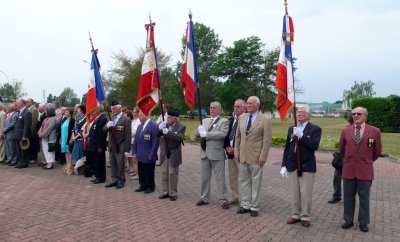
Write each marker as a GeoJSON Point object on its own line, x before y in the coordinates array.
{"type": "Point", "coordinates": [41, 205]}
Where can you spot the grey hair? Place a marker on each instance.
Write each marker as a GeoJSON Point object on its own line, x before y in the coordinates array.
{"type": "Point", "coordinates": [50, 110]}
{"type": "Point", "coordinates": [216, 103]}
{"type": "Point", "coordinates": [365, 111]}
{"type": "Point", "coordinates": [306, 109]}
{"type": "Point", "coordinates": [255, 99]}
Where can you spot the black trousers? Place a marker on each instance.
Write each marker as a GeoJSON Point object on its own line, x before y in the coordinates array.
{"type": "Point", "coordinates": [146, 175]}
{"type": "Point", "coordinates": [33, 148]}
{"type": "Point", "coordinates": [337, 184]}
{"type": "Point", "coordinates": [98, 161]}
{"type": "Point", "coordinates": [351, 187]}
{"type": "Point", "coordinates": [22, 155]}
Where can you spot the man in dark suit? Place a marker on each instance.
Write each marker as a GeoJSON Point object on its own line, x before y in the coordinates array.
{"type": "Point", "coordinates": [361, 146]}
{"type": "Point", "coordinates": [304, 139]}
{"type": "Point", "coordinates": [95, 152]}
{"type": "Point", "coordinates": [172, 133]}
{"type": "Point", "coordinates": [145, 149]}
{"type": "Point", "coordinates": [22, 132]}
{"type": "Point", "coordinates": [239, 108]}
{"type": "Point", "coordinates": [119, 142]}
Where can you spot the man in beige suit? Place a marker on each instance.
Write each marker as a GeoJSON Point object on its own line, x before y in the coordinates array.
{"type": "Point", "coordinates": [212, 154]}
{"type": "Point", "coordinates": [253, 139]}
{"type": "Point", "coordinates": [3, 117]}
{"type": "Point", "coordinates": [33, 138]}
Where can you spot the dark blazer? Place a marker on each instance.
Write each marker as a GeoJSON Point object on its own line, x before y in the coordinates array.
{"type": "Point", "coordinates": [146, 143]}
{"type": "Point", "coordinates": [309, 143]}
{"type": "Point", "coordinates": [227, 142]}
{"type": "Point", "coordinates": [97, 137]}
{"type": "Point", "coordinates": [23, 125]}
{"type": "Point", "coordinates": [174, 140]}
{"type": "Point", "coordinates": [359, 159]}
{"type": "Point", "coordinates": [121, 133]}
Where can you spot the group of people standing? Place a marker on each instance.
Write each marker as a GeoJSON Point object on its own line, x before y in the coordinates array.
{"type": "Point", "coordinates": [133, 139]}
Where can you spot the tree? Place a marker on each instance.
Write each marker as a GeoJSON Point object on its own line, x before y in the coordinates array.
{"type": "Point", "coordinates": [83, 99]}
{"type": "Point", "coordinates": [10, 92]}
{"type": "Point", "coordinates": [68, 97]}
{"type": "Point", "coordinates": [208, 47]}
{"type": "Point", "coordinates": [51, 98]}
{"type": "Point", "coordinates": [358, 90]}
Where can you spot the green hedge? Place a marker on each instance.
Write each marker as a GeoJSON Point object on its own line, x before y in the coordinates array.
{"type": "Point", "coordinates": [383, 113]}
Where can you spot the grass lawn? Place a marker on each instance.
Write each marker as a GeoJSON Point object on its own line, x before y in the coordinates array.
{"type": "Point", "coordinates": [331, 128]}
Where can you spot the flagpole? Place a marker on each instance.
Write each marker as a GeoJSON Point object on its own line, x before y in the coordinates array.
{"type": "Point", "coordinates": [299, 171]}
{"type": "Point", "coordinates": [197, 84]}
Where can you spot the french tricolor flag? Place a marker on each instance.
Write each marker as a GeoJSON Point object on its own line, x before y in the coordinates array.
{"type": "Point", "coordinates": [189, 67]}
{"type": "Point", "coordinates": [284, 74]}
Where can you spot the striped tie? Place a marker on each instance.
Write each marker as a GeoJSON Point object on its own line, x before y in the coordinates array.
{"type": "Point", "coordinates": [358, 134]}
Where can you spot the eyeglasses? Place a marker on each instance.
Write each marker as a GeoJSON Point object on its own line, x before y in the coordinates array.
{"type": "Point", "coordinates": [359, 114]}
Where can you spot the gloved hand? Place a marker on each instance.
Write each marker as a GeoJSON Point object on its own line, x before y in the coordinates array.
{"type": "Point", "coordinates": [110, 124]}
{"type": "Point", "coordinates": [202, 131]}
{"type": "Point", "coordinates": [284, 172]}
{"type": "Point", "coordinates": [165, 131]}
{"type": "Point", "coordinates": [297, 132]}
{"type": "Point", "coordinates": [162, 125]}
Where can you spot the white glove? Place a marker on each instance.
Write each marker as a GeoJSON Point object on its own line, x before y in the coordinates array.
{"type": "Point", "coordinates": [164, 130]}
{"type": "Point", "coordinates": [202, 131]}
{"type": "Point", "coordinates": [283, 172]}
{"type": "Point", "coordinates": [162, 125]}
{"type": "Point", "coordinates": [110, 124]}
{"type": "Point", "coordinates": [297, 132]}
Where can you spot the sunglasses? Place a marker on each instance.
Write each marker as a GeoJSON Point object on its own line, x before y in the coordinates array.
{"type": "Point", "coordinates": [354, 114]}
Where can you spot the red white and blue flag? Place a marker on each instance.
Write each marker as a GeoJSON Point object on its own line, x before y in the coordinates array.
{"type": "Point", "coordinates": [148, 98]}
{"type": "Point", "coordinates": [95, 94]}
{"type": "Point", "coordinates": [284, 74]}
{"type": "Point", "coordinates": [189, 67]}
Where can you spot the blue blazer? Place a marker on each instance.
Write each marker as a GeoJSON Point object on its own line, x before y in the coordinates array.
{"type": "Point", "coordinates": [146, 143]}
{"type": "Point", "coordinates": [309, 143]}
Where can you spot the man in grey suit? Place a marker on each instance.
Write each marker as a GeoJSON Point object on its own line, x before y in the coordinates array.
{"type": "Point", "coordinates": [212, 154]}
{"type": "Point", "coordinates": [22, 132]}
{"type": "Point", "coordinates": [3, 117]}
{"type": "Point", "coordinates": [171, 132]}
{"type": "Point", "coordinates": [119, 142]}
{"type": "Point", "coordinates": [9, 134]}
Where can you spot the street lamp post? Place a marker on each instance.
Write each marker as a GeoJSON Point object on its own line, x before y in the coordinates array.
{"type": "Point", "coordinates": [8, 80]}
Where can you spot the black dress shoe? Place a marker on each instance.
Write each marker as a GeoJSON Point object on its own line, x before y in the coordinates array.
{"type": "Point", "coordinates": [149, 190]}
{"type": "Point", "coordinates": [22, 166]}
{"type": "Point", "coordinates": [7, 163]}
{"type": "Point", "coordinates": [98, 182]}
{"type": "Point", "coordinates": [254, 213]}
{"type": "Point", "coordinates": [93, 180]}
{"type": "Point", "coordinates": [140, 189]}
{"type": "Point", "coordinates": [347, 226]}
{"type": "Point", "coordinates": [163, 196]}
{"type": "Point", "coordinates": [48, 168]}
{"type": "Point", "coordinates": [120, 185]}
{"type": "Point", "coordinates": [364, 228]}
{"type": "Point", "coordinates": [12, 164]}
{"type": "Point", "coordinates": [173, 198]}
{"type": "Point", "coordinates": [242, 210]}
{"type": "Point", "coordinates": [334, 200]}
{"type": "Point", "coordinates": [112, 184]}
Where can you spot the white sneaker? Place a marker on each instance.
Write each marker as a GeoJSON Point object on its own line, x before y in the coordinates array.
{"type": "Point", "coordinates": [134, 177]}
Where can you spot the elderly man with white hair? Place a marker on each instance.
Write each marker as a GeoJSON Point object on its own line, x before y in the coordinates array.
{"type": "Point", "coordinates": [300, 169]}
{"type": "Point", "coordinates": [3, 117]}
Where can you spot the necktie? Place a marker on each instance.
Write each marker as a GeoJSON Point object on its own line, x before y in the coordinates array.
{"type": "Point", "coordinates": [233, 130]}
{"type": "Point", "coordinates": [212, 125]}
{"type": "Point", "coordinates": [358, 134]}
{"type": "Point", "coordinates": [249, 123]}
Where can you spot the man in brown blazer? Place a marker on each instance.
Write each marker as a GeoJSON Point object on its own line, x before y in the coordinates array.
{"type": "Point", "coordinates": [253, 140]}
{"type": "Point", "coordinates": [360, 144]}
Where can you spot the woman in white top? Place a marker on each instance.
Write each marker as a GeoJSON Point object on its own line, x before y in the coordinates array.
{"type": "Point", "coordinates": [130, 158]}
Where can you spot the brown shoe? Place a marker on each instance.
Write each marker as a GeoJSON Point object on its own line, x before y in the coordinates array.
{"type": "Point", "coordinates": [305, 223]}
{"type": "Point", "coordinates": [201, 203]}
{"type": "Point", "coordinates": [292, 221]}
{"type": "Point", "coordinates": [225, 205]}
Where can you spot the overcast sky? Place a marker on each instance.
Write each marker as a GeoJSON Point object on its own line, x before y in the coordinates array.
{"type": "Point", "coordinates": [43, 42]}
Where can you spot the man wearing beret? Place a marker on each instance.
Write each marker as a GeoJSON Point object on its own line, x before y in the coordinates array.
{"type": "Point", "coordinates": [119, 142]}
{"type": "Point", "coordinates": [172, 133]}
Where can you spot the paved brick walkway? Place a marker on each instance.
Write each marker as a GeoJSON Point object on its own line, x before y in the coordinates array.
{"type": "Point", "coordinates": [40, 205]}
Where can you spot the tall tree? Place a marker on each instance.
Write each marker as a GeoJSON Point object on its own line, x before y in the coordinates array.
{"type": "Point", "coordinates": [51, 98]}
{"type": "Point", "coordinates": [68, 97]}
{"type": "Point", "coordinates": [358, 90]}
{"type": "Point", "coordinates": [10, 92]}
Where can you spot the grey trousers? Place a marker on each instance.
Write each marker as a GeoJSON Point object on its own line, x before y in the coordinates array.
{"type": "Point", "coordinates": [117, 163]}
{"type": "Point", "coordinates": [169, 176]}
{"type": "Point", "coordinates": [350, 188]}
{"type": "Point", "coordinates": [11, 151]}
{"type": "Point", "coordinates": [337, 184]}
{"type": "Point", "coordinates": [2, 149]}
{"type": "Point", "coordinates": [302, 189]}
{"type": "Point", "coordinates": [250, 178]}
{"type": "Point", "coordinates": [218, 167]}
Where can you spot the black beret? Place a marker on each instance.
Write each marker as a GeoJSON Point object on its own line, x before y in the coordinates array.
{"type": "Point", "coordinates": [173, 113]}
{"type": "Point", "coordinates": [113, 103]}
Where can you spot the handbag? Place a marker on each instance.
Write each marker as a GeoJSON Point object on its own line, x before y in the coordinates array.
{"type": "Point", "coordinates": [52, 147]}
{"type": "Point", "coordinates": [337, 161]}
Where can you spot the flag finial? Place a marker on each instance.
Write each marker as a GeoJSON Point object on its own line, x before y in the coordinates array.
{"type": "Point", "coordinates": [190, 14]}
{"type": "Point", "coordinates": [149, 18]}
{"type": "Point", "coordinates": [91, 41]}
{"type": "Point", "coordinates": [286, 8]}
